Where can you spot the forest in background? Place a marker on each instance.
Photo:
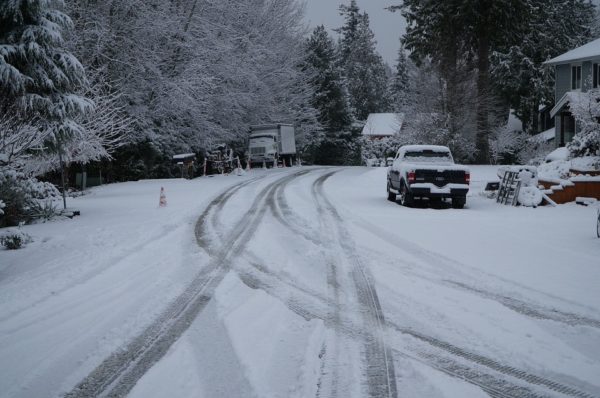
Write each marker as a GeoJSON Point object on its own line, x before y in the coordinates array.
{"type": "Point", "coordinates": [117, 87]}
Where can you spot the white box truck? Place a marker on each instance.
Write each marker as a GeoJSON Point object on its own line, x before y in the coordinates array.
{"type": "Point", "coordinates": [272, 143]}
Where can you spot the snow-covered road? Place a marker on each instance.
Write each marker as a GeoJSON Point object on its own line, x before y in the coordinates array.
{"type": "Point", "coordinates": [301, 282]}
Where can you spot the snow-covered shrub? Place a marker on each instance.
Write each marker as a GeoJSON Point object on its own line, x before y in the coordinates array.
{"type": "Point", "coordinates": [380, 149]}
{"type": "Point", "coordinates": [13, 240]}
{"type": "Point", "coordinates": [432, 129]}
{"type": "Point", "coordinates": [585, 108]}
{"type": "Point", "coordinates": [24, 198]}
{"type": "Point", "coordinates": [534, 153]}
{"type": "Point", "coordinates": [506, 146]}
{"type": "Point", "coordinates": [42, 210]}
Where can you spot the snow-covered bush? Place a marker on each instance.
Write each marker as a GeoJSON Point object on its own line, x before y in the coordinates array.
{"type": "Point", "coordinates": [534, 153]}
{"type": "Point", "coordinates": [24, 198]}
{"type": "Point", "coordinates": [13, 240]}
{"type": "Point", "coordinates": [506, 146]}
{"type": "Point", "coordinates": [585, 108]}
{"type": "Point", "coordinates": [380, 149]}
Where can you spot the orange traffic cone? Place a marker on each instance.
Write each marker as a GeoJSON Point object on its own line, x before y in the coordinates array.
{"type": "Point", "coordinates": [163, 198]}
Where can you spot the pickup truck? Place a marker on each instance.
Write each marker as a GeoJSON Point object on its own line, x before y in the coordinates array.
{"type": "Point", "coordinates": [427, 171]}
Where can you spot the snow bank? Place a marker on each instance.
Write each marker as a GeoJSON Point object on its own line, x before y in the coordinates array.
{"type": "Point", "coordinates": [560, 169]}
{"type": "Point", "coordinates": [558, 154]}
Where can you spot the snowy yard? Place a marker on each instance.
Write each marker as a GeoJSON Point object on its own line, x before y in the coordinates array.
{"type": "Point", "coordinates": [301, 282]}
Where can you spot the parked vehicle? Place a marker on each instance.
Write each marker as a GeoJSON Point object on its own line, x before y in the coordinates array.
{"type": "Point", "coordinates": [598, 225]}
{"type": "Point", "coordinates": [269, 144]}
{"type": "Point", "coordinates": [219, 160]}
{"type": "Point", "coordinates": [427, 171]}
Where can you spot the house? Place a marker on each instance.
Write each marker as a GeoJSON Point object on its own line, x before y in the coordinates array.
{"type": "Point", "coordinates": [382, 125]}
{"type": "Point", "coordinates": [575, 71]}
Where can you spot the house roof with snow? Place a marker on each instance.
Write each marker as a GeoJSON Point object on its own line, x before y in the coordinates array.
{"type": "Point", "coordinates": [383, 124]}
{"type": "Point", "coordinates": [569, 98]}
{"type": "Point", "coordinates": [544, 136]}
{"type": "Point", "coordinates": [583, 53]}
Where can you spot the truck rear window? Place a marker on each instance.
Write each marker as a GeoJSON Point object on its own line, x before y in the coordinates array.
{"type": "Point", "coordinates": [428, 156]}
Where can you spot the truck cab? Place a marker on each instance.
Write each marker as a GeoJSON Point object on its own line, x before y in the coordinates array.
{"type": "Point", "coordinates": [271, 143]}
{"type": "Point", "coordinates": [263, 147]}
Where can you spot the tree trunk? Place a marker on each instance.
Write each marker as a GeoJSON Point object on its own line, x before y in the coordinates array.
{"type": "Point", "coordinates": [62, 175]}
{"type": "Point", "coordinates": [535, 113]}
{"type": "Point", "coordinates": [483, 101]}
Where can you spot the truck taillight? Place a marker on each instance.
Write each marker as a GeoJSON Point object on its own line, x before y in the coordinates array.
{"type": "Point", "coordinates": [467, 177]}
{"type": "Point", "coordinates": [411, 177]}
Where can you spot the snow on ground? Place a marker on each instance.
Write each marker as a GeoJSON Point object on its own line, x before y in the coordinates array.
{"type": "Point", "coordinates": [481, 299]}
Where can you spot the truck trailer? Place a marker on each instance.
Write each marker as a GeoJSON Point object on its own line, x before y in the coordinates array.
{"type": "Point", "coordinates": [272, 143]}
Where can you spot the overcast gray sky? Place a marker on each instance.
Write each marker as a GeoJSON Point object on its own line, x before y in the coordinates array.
{"type": "Point", "coordinates": [387, 26]}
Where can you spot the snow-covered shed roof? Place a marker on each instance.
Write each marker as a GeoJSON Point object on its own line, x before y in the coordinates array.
{"type": "Point", "coordinates": [383, 124]}
{"type": "Point", "coordinates": [583, 53]}
{"type": "Point", "coordinates": [544, 136]}
{"type": "Point", "coordinates": [183, 156]}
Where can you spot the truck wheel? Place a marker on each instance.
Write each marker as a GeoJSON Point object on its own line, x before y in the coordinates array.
{"type": "Point", "coordinates": [458, 203]}
{"type": "Point", "coordinates": [406, 198]}
{"type": "Point", "coordinates": [598, 225]}
{"type": "Point", "coordinates": [391, 195]}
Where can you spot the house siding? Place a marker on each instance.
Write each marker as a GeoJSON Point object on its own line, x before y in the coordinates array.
{"type": "Point", "coordinates": [563, 80]}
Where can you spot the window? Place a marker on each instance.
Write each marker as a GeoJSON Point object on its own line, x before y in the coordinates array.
{"type": "Point", "coordinates": [595, 73]}
{"type": "Point", "coordinates": [576, 77]}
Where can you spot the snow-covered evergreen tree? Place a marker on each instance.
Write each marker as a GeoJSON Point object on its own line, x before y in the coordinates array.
{"type": "Point", "coordinates": [349, 30]}
{"type": "Point", "coordinates": [329, 91]}
{"type": "Point", "coordinates": [518, 71]}
{"type": "Point", "coordinates": [459, 32]}
{"type": "Point", "coordinates": [400, 82]}
{"type": "Point", "coordinates": [330, 98]}
{"type": "Point", "coordinates": [364, 69]}
{"type": "Point", "coordinates": [39, 78]}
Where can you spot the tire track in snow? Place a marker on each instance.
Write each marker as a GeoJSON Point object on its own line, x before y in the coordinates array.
{"type": "Point", "coordinates": [433, 259]}
{"type": "Point", "coordinates": [347, 246]}
{"type": "Point", "coordinates": [217, 203]}
{"type": "Point", "coordinates": [284, 214]}
{"type": "Point", "coordinates": [530, 378]}
{"type": "Point", "coordinates": [305, 303]}
{"type": "Point", "coordinates": [495, 387]}
{"type": "Point", "coordinates": [529, 309]}
{"type": "Point", "coordinates": [117, 374]}
{"type": "Point", "coordinates": [381, 376]}
{"type": "Point", "coordinates": [493, 384]}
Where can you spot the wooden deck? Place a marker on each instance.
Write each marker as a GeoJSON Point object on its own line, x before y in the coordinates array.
{"type": "Point", "coordinates": [587, 189]}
